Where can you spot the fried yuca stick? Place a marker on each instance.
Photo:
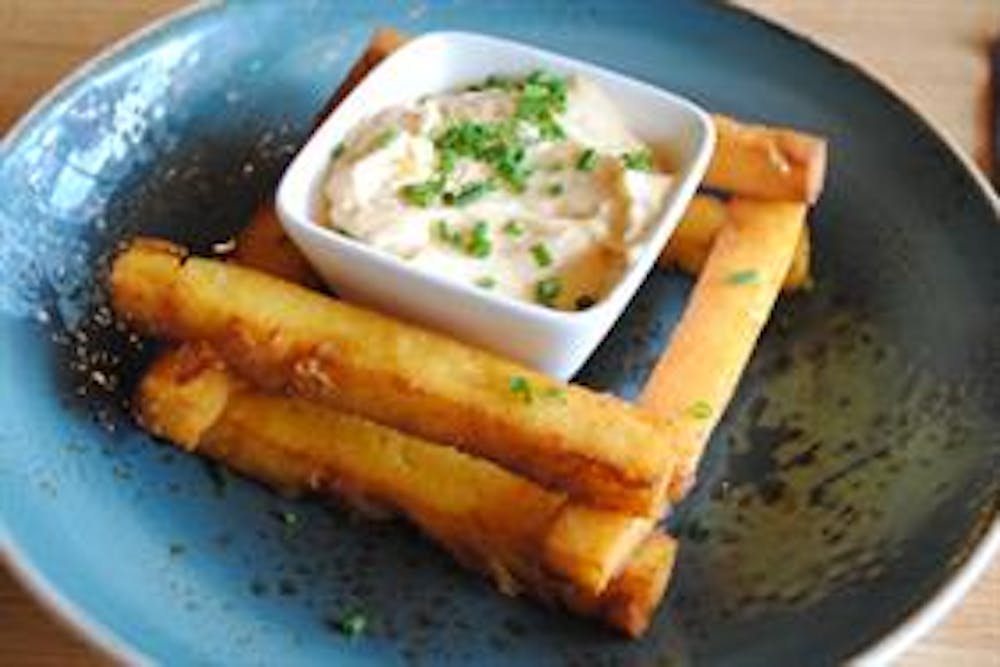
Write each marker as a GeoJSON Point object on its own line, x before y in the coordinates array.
{"type": "Point", "coordinates": [698, 373]}
{"type": "Point", "coordinates": [263, 245]}
{"type": "Point", "coordinates": [691, 242]}
{"type": "Point", "coordinates": [588, 548]}
{"type": "Point", "coordinates": [629, 601]}
{"type": "Point", "coordinates": [766, 162]}
{"type": "Point", "coordinates": [596, 448]}
{"type": "Point", "coordinates": [489, 519]}
{"type": "Point", "coordinates": [189, 387]}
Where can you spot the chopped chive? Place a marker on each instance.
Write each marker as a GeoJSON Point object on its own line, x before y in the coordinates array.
{"type": "Point", "coordinates": [384, 138]}
{"type": "Point", "coordinates": [446, 234]}
{"type": "Point", "coordinates": [479, 244]}
{"type": "Point", "coordinates": [551, 129]}
{"type": "Point", "coordinates": [288, 518]}
{"type": "Point", "coordinates": [554, 190]}
{"type": "Point", "coordinates": [555, 393]}
{"type": "Point", "coordinates": [638, 160]}
{"type": "Point", "coordinates": [352, 624]}
{"type": "Point", "coordinates": [496, 144]}
{"type": "Point", "coordinates": [519, 386]}
{"type": "Point", "coordinates": [492, 81]}
{"type": "Point", "coordinates": [548, 290]}
{"type": "Point", "coordinates": [584, 301]}
{"type": "Point", "coordinates": [513, 229]}
{"type": "Point", "coordinates": [469, 193]}
{"type": "Point", "coordinates": [446, 161]}
{"type": "Point", "coordinates": [541, 254]}
{"type": "Point", "coordinates": [486, 282]}
{"type": "Point", "coordinates": [421, 194]}
{"type": "Point", "coordinates": [700, 410]}
{"type": "Point", "coordinates": [587, 160]}
{"type": "Point", "coordinates": [745, 277]}
{"type": "Point", "coordinates": [338, 150]}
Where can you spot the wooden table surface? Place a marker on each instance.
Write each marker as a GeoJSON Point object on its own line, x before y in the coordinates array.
{"type": "Point", "coordinates": [932, 51]}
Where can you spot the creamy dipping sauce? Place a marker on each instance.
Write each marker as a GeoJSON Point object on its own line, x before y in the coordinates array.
{"type": "Point", "coordinates": [531, 187]}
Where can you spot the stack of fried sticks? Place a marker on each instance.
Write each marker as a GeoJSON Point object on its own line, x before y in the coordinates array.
{"type": "Point", "coordinates": [548, 488]}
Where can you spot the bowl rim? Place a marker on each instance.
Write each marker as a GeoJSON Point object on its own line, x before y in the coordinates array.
{"type": "Point", "coordinates": [923, 618]}
{"type": "Point", "coordinates": [683, 188]}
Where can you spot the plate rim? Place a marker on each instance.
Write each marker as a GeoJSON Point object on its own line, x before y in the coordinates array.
{"type": "Point", "coordinates": [916, 624]}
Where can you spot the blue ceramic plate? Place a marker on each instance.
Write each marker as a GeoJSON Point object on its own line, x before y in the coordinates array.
{"type": "Point", "coordinates": [851, 480]}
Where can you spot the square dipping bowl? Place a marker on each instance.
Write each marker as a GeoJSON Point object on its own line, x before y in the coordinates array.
{"type": "Point", "coordinates": [552, 341]}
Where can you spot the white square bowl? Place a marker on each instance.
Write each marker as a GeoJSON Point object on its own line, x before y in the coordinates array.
{"type": "Point", "coordinates": [552, 341]}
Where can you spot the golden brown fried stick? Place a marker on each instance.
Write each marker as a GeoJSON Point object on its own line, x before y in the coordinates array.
{"type": "Point", "coordinates": [691, 242]}
{"type": "Point", "coordinates": [629, 601]}
{"type": "Point", "coordinates": [263, 245]}
{"type": "Point", "coordinates": [588, 546]}
{"type": "Point", "coordinates": [490, 519]}
{"type": "Point", "coordinates": [596, 448]}
{"type": "Point", "coordinates": [698, 373]}
{"type": "Point", "coordinates": [766, 162]}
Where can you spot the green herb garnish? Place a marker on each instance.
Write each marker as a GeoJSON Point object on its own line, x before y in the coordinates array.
{"type": "Point", "coordinates": [384, 138]}
{"type": "Point", "coordinates": [479, 244]}
{"type": "Point", "coordinates": [290, 519]}
{"type": "Point", "coordinates": [555, 393]}
{"type": "Point", "coordinates": [513, 229]}
{"type": "Point", "coordinates": [554, 190]}
{"type": "Point", "coordinates": [541, 254]}
{"type": "Point", "coordinates": [338, 150]}
{"type": "Point", "coordinates": [446, 161]}
{"type": "Point", "coordinates": [540, 98]}
{"type": "Point", "coordinates": [587, 160]}
{"type": "Point", "coordinates": [468, 194]}
{"type": "Point", "coordinates": [496, 144]}
{"type": "Point", "coordinates": [447, 234]}
{"type": "Point", "coordinates": [548, 290]}
{"type": "Point", "coordinates": [493, 81]}
{"type": "Point", "coordinates": [638, 160]}
{"type": "Point", "coordinates": [352, 624]}
{"type": "Point", "coordinates": [422, 194]}
{"type": "Point", "coordinates": [519, 386]}
{"type": "Point", "coordinates": [700, 410]}
{"type": "Point", "coordinates": [486, 282]}
{"type": "Point", "coordinates": [745, 277]}
{"type": "Point", "coordinates": [543, 96]}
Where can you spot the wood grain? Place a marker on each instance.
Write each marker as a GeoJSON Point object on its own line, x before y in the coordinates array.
{"type": "Point", "coordinates": [934, 52]}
